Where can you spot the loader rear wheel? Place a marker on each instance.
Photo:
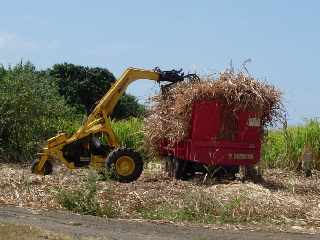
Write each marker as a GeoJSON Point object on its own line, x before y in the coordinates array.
{"type": "Point", "coordinates": [125, 164]}
{"type": "Point", "coordinates": [46, 169]}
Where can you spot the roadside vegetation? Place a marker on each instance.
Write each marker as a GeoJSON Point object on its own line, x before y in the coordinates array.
{"type": "Point", "coordinates": [84, 200]}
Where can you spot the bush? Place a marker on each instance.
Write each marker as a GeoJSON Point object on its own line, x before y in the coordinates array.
{"type": "Point", "coordinates": [85, 201]}
{"type": "Point", "coordinates": [31, 111]}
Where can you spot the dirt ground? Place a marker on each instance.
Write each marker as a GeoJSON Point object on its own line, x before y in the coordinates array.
{"type": "Point", "coordinates": [284, 201]}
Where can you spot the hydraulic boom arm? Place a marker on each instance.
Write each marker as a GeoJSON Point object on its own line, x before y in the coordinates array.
{"type": "Point", "coordinates": [98, 120]}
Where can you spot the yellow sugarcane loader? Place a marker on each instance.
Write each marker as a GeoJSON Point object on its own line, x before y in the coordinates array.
{"type": "Point", "coordinates": [85, 148]}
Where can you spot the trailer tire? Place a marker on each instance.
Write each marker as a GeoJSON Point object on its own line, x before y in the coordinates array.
{"type": "Point", "coordinates": [178, 168]}
{"type": "Point", "coordinates": [125, 165]}
{"type": "Point", "coordinates": [46, 170]}
{"type": "Point", "coordinates": [182, 170]}
{"type": "Point", "coordinates": [250, 173]}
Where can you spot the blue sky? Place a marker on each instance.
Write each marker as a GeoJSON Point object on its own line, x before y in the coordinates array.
{"type": "Point", "coordinates": [281, 37]}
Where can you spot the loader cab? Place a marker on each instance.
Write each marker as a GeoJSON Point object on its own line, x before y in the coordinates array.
{"type": "Point", "coordinates": [87, 151]}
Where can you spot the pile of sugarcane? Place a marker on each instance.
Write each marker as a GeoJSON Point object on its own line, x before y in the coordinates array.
{"type": "Point", "coordinates": [170, 115]}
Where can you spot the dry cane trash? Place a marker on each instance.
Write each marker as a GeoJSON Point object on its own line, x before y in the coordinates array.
{"type": "Point", "coordinates": [170, 115]}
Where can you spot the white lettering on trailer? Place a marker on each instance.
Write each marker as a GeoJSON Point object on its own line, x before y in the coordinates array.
{"type": "Point", "coordinates": [242, 156]}
{"type": "Point", "coordinates": [254, 122]}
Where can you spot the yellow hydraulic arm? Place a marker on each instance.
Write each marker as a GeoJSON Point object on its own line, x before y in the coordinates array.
{"type": "Point", "coordinates": [99, 119]}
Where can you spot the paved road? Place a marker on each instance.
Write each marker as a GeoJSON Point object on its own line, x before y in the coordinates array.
{"type": "Point", "coordinates": [79, 226]}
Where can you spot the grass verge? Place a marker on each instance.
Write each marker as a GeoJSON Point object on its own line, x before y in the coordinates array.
{"type": "Point", "coordinates": [198, 207]}
{"type": "Point", "coordinates": [85, 201]}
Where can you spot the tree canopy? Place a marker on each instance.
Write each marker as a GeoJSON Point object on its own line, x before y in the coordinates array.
{"type": "Point", "coordinates": [84, 86]}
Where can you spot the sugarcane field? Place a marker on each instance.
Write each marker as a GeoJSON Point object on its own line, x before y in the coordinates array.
{"type": "Point", "coordinates": [213, 135]}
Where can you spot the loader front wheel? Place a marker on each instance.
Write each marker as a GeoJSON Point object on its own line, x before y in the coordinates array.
{"type": "Point", "coordinates": [125, 164]}
{"type": "Point", "coordinates": [46, 169]}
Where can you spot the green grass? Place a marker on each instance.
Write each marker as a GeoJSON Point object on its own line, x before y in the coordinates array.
{"type": "Point", "coordinates": [273, 149]}
{"type": "Point", "coordinates": [85, 200]}
{"type": "Point", "coordinates": [129, 132]}
{"type": "Point", "coordinates": [283, 148]}
{"type": "Point", "coordinates": [198, 207]}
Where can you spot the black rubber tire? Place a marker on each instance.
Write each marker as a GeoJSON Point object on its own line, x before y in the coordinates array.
{"type": "Point", "coordinates": [182, 170]}
{"type": "Point", "coordinates": [48, 168]}
{"type": "Point", "coordinates": [115, 155]}
{"type": "Point", "coordinates": [189, 171]}
{"type": "Point", "coordinates": [250, 173]}
{"type": "Point", "coordinates": [178, 168]}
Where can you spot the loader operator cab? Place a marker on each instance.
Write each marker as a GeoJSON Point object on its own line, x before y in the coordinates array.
{"type": "Point", "coordinates": [81, 151]}
{"type": "Point", "coordinates": [97, 148]}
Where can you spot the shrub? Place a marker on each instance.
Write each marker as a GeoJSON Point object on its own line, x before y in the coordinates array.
{"type": "Point", "coordinates": [31, 111]}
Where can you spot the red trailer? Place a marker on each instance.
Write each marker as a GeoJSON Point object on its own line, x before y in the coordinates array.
{"type": "Point", "coordinates": [219, 137]}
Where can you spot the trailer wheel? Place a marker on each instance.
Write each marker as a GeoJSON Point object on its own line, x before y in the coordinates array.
{"type": "Point", "coordinates": [46, 169]}
{"type": "Point", "coordinates": [250, 173]}
{"type": "Point", "coordinates": [125, 164]}
{"type": "Point", "coordinates": [181, 169]}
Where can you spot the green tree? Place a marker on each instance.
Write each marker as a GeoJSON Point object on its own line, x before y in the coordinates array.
{"type": "Point", "coordinates": [31, 110]}
{"type": "Point", "coordinates": [2, 71]}
{"type": "Point", "coordinates": [83, 87]}
{"type": "Point", "coordinates": [128, 106]}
